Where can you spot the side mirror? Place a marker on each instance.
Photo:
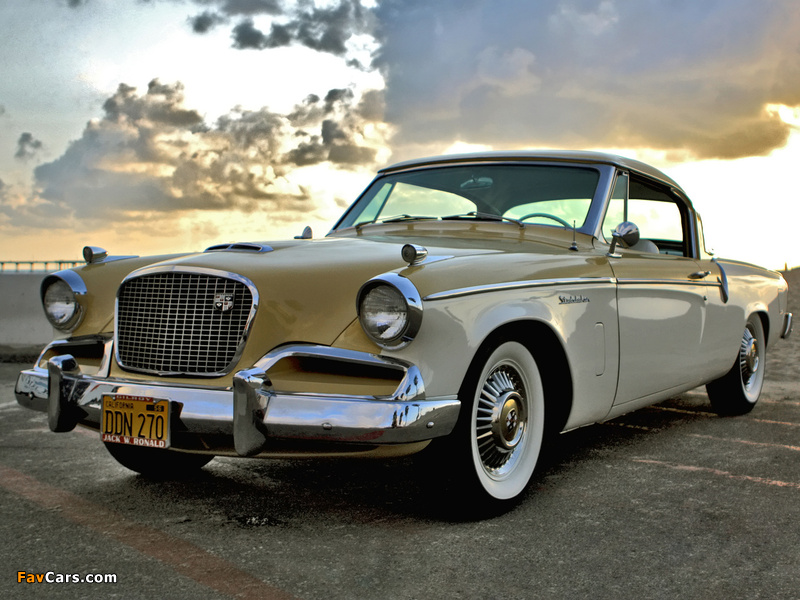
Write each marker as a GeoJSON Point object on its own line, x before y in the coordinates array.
{"type": "Point", "coordinates": [306, 235]}
{"type": "Point", "coordinates": [626, 232]}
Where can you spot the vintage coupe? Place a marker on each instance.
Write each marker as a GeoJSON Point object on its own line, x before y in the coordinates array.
{"type": "Point", "coordinates": [476, 303]}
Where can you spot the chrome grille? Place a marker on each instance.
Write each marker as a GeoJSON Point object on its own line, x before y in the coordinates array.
{"type": "Point", "coordinates": [181, 323]}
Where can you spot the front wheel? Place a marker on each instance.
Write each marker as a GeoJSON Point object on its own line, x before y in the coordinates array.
{"type": "Point", "coordinates": [737, 392]}
{"type": "Point", "coordinates": [497, 441]}
{"type": "Point", "coordinates": [157, 463]}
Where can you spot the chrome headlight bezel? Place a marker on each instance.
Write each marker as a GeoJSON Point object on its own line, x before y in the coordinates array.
{"type": "Point", "coordinates": [407, 301]}
{"type": "Point", "coordinates": [60, 294]}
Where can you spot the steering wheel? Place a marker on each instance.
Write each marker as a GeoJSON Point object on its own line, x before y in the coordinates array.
{"type": "Point", "coordinates": [547, 216]}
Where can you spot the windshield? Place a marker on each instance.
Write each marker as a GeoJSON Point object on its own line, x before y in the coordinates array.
{"type": "Point", "coordinates": [542, 194]}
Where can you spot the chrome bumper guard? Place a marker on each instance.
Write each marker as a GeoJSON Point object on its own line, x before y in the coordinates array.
{"type": "Point", "coordinates": [252, 413]}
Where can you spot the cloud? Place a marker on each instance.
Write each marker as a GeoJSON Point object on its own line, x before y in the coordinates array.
{"type": "Point", "coordinates": [149, 154]}
{"type": "Point", "coordinates": [326, 29]}
{"type": "Point", "coordinates": [245, 7]}
{"type": "Point", "coordinates": [206, 21]}
{"type": "Point", "coordinates": [27, 146]}
{"type": "Point", "coordinates": [687, 77]}
{"type": "Point", "coordinates": [694, 79]}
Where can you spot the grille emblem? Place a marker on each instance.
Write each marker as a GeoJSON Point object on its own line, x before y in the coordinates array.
{"type": "Point", "coordinates": [223, 302]}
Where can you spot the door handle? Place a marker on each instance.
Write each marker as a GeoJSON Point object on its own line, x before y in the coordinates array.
{"type": "Point", "coordinates": [699, 274]}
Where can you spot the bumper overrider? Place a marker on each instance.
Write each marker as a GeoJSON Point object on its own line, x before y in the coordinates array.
{"type": "Point", "coordinates": [250, 417]}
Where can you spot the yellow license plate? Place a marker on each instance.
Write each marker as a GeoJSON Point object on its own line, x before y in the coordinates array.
{"type": "Point", "coordinates": [135, 420]}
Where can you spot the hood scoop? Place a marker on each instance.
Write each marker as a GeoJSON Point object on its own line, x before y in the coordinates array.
{"type": "Point", "coordinates": [240, 247]}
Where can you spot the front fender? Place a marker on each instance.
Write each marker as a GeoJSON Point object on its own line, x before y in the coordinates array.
{"type": "Point", "coordinates": [581, 313]}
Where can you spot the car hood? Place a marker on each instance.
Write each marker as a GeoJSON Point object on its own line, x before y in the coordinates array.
{"type": "Point", "coordinates": [307, 288]}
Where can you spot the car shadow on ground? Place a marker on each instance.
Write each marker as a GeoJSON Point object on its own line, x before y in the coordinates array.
{"type": "Point", "coordinates": [254, 493]}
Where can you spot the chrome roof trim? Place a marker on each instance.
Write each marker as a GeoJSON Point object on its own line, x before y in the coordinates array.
{"type": "Point", "coordinates": [571, 156]}
{"type": "Point", "coordinates": [519, 285]}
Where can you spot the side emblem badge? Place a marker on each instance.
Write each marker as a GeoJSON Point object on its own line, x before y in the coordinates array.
{"type": "Point", "coordinates": [223, 302]}
{"type": "Point", "coordinates": [572, 299]}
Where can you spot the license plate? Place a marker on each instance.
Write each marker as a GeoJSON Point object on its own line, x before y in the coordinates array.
{"type": "Point", "coordinates": [136, 421]}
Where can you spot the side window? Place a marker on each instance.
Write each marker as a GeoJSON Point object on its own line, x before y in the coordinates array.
{"type": "Point", "coordinates": [660, 216]}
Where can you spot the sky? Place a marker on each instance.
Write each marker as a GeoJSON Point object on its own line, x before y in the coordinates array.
{"type": "Point", "coordinates": [154, 126]}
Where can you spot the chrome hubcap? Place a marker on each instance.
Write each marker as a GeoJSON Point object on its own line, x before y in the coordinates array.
{"type": "Point", "coordinates": [501, 420]}
{"type": "Point", "coordinates": [506, 427]}
{"type": "Point", "coordinates": [748, 357]}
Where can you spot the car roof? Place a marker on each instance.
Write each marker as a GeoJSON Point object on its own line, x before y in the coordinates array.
{"type": "Point", "coordinates": [575, 156]}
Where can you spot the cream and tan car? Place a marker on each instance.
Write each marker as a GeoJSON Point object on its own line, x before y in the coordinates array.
{"type": "Point", "coordinates": [474, 304]}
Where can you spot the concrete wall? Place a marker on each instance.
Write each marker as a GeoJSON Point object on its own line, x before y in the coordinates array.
{"type": "Point", "coordinates": [24, 330]}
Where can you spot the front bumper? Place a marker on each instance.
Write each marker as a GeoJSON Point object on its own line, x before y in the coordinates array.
{"type": "Point", "coordinates": [251, 417]}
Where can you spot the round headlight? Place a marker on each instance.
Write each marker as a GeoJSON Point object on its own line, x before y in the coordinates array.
{"type": "Point", "coordinates": [61, 305]}
{"type": "Point", "coordinates": [390, 310]}
{"type": "Point", "coordinates": [384, 314]}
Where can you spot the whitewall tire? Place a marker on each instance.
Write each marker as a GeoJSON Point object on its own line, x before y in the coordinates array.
{"type": "Point", "coordinates": [504, 408]}
{"type": "Point", "coordinates": [737, 392]}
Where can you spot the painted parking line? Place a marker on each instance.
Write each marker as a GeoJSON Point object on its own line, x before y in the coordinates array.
{"type": "Point", "coordinates": [783, 402]}
{"type": "Point", "coordinates": [683, 411]}
{"type": "Point", "coordinates": [719, 473]}
{"type": "Point", "coordinates": [745, 442]}
{"type": "Point", "coordinates": [714, 437]}
{"type": "Point", "coordinates": [630, 426]}
{"type": "Point", "coordinates": [183, 557]}
{"type": "Point", "coordinates": [770, 422]}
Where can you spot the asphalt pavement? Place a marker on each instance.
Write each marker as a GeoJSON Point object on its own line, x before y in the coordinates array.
{"type": "Point", "coordinates": [667, 502]}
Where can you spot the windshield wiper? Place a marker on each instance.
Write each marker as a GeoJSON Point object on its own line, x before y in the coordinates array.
{"type": "Point", "coordinates": [395, 219]}
{"type": "Point", "coordinates": [481, 216]}
{"type": "Point", "coordinates": [404, 217]}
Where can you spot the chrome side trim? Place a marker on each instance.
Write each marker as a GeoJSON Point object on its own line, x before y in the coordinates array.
{"type": "Point", "coordinates": [692, 282]}
{"type": "Point", "coordinates": [519, 285]}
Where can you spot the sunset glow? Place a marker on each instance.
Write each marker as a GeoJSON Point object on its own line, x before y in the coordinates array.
{"type": "Point", "coordinates": [167, 127]}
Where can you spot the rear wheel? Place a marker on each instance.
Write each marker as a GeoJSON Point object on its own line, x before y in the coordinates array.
{"type": "Point", "coordinates": [737, 392]}
{"type": "Point", "coordinates": [494, 450]}
{"type": "Point", "coordinates": [157, 463]}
